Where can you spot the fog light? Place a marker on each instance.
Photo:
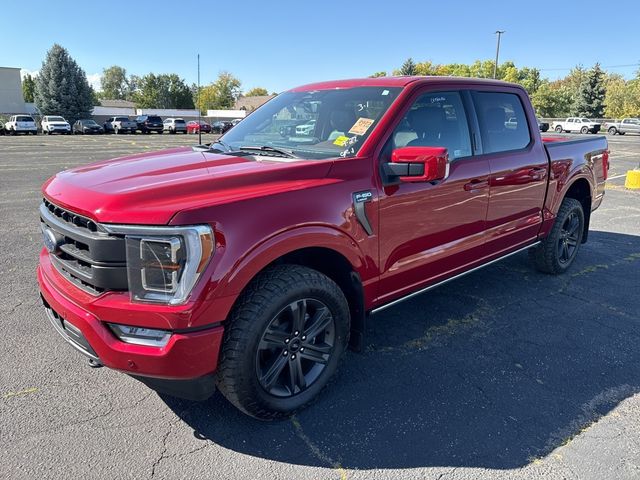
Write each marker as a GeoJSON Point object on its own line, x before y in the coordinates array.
{"type": "Point", "coordinates": [140, 336]}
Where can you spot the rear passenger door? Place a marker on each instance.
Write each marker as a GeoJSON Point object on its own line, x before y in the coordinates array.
{"type": "Point", "coordinates": [519, 168]}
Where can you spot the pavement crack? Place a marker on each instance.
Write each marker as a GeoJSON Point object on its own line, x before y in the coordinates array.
{"type": "Point", "coordinates": [316, 451]}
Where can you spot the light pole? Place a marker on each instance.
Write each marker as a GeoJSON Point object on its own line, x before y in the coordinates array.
{"type": "Point", "coordinates": [198, 100]}
{"type": "Point", "coordinates": [495, 66]}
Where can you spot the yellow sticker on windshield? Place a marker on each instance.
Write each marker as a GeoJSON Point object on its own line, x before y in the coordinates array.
{"type": "Point", "coordinates": [341, 141]}
{"type": "Point", "coordinates": [361, 126]}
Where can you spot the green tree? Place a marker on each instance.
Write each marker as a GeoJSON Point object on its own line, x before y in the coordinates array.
{"type": "Point", "coordinates": [530, 79]}
{"type": "Point", "coordinates": [257, 92]}
{"type": "Point", "coordinates": [220, 94]}
{"type": "Point", "coordinates": [28, 88]}
{"type": "Point", "coordinates": [591, 94]}
{"type": "Point", "coordinates": [616, 97]}
{"type": "Point", "coordinates": [552, 100]}
{"type": "Point", "coordinates": [62, 87]}
{"type": "Point", "coordinates": [408, 67]}
{"type": "Point", "coordinates": [114, 83]}
{"type": "Point", "coordinates": [162, 91]}
{"type": "Point", "coordinates": [378, 74]}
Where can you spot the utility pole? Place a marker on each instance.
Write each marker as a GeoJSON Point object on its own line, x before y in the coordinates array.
{"type": "Point", "coordinates": [198, 100]}
{"type": "Point", "coordinates": [495, 66]}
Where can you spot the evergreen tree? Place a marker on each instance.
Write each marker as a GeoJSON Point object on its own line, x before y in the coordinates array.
{"type": "Point", "coordinates": [408, 67]}
{"type": "Point", "coordinates": [62, 87]}
{"type": "Point", "coordinates": [28, 88]}
{"type": "Point", "coordinates": [590, 99]}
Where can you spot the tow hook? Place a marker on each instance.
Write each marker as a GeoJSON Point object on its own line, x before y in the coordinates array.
{"type": "Point", "coordinates": [94, 364]}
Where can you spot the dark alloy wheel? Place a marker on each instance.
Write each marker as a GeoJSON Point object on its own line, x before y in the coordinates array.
{"type": "Point", "coordinates": [295, 347]}
{"type": "Point", "coordinates": [283, 341]}
{"type": "Point", "coordinates": [569, 238]}
{"type": "Point", "coordinates": [558, 250]}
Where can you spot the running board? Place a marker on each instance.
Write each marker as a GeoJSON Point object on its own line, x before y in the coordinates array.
{"type": "Point", "coordinates": [455, 277]}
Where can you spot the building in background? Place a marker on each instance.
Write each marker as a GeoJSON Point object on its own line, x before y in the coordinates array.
{"type": "Point", "coordinates": [11, 99]}
{"type": "Point", "coordinates": [249, 104]}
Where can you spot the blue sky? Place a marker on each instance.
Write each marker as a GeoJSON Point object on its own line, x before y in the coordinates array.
{"type": "Point", "coordinates": [282, 44]}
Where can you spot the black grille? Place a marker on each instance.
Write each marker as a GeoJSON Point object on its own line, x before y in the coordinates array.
{"type": "Point", "coordinates": [86, 255]}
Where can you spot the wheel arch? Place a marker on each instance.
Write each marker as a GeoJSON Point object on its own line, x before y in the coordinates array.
{"type": "Point", "coordinates": [323, 249]}
{"type": "Point", "coordinates": [580, 189]}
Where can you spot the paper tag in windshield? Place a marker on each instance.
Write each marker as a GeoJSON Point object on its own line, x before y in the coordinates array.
{"type": "Point", "coordinates": [361, 126]}
{"type": "Point", "coordinates": [341, 141]}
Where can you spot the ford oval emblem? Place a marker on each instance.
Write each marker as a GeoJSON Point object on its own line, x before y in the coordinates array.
{"type": "Point", "coordinates": [50, 240]}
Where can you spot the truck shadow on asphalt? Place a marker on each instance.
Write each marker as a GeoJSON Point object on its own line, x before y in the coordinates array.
{"type": "Point", "coordinates": [493, 370]}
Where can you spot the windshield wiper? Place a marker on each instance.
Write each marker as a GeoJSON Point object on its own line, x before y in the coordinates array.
{"type": "Point", "coordinates": [227, 148]}
{"type": "Point", "coordinates": [268, 149]}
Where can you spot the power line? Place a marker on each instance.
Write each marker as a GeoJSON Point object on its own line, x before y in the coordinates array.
{"type": "Point", "coordinates": [602, 66]}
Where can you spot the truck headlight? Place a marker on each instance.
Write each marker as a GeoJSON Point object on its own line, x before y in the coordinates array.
{"type": "Point", "coordinates": [164, 263]}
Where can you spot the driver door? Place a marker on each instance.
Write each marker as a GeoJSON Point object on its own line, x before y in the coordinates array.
{"type": "Point", "coordinates": [430, 230]}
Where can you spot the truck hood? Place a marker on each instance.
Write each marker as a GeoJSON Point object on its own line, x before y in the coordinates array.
{"type": "Point", "coordinates": [150, 188]}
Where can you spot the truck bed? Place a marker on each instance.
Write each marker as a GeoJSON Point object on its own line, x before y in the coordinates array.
{"type": "Point", "coordinates": [587, 155]}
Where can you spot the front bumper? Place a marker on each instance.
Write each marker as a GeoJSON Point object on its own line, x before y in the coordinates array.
{"type": "Point", "coordinates": [188, 358]}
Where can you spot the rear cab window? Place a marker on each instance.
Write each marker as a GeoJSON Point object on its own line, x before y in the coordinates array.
{"type": "Point", "coordinates": [502, 120]}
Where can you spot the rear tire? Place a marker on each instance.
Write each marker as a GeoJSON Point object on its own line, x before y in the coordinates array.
{"type": "Point", "coordinates": [268, 367]}
{"type": "Point", "coordinates": [584, 130]}
{"type": "Point", "coordinates": [558, 250]}
{"type": "Point", "coordinates": [612, 131]}
{"type": "Point", "coordinates": [558, 129]}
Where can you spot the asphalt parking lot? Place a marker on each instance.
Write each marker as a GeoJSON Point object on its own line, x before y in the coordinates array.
{"type": "Point", "coordinates": [506, 373]}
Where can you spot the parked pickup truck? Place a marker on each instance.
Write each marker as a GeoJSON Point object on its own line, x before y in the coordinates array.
{"type": "Point", "coordinates": [250, 264]}
{"type": "Point", "coordinates": [119, 125]}
{"type": "Point", "coordinates": [626, 125]}
{"type": "Point", "coordinates": [54, 124]}
{"type": "Point", "coordinates": [21, 124]}
{"type": "Point", "coordinates": [576, 124]}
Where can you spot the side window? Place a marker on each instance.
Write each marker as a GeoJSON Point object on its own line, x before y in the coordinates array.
{"type": "Point", "coordinates": [435, 119]}
{"type": "Point", "coordinates": [570, 120]}
{"type": "Point", "coordinates": [503, 123]}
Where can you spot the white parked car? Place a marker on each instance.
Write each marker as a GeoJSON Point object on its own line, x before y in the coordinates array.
{"type": "Point", "coordinates": [306, 128]}
{"type": "Point", "coordinates": [54, 124]}
{"type": "Point", "coordinates": [174, 125]}
{"type": "Point", "coordinates": [21, 124]}
{"type": "Point", "coordinates": [576, 124]}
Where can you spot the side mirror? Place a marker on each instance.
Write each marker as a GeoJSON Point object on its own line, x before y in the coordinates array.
{"type": "Point", "coordinates": [419, 164]}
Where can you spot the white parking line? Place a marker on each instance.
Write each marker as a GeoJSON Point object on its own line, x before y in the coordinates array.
{"type": "Point", "coordinates": [617, 176]}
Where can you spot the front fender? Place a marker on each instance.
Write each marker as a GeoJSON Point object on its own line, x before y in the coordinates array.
{"type": "Point", "coordinates": [289, 241]}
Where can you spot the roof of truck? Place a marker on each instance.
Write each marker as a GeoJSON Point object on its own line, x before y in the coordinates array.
{"type": "Point", "coordinates": [400, 81]}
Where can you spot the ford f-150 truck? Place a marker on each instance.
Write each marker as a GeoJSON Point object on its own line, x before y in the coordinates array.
{"type": "Point", "coordinates": [626, 125]}
{"type": "Point", "coordinates": [576, 124]}
{"type": "Point", "coordinates": [251, 263]}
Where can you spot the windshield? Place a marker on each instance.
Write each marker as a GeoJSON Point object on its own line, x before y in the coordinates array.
{"type": "Point", "coordinates": [586, 120]}
{"type": "Point", "coordinates": [122, 119]}
{"type": "Point", "coordinates": [56, 119]}
{"type": "Point", "coordinates": [89, 122]}
{"type": "Point", "coordinates": [315, 124]}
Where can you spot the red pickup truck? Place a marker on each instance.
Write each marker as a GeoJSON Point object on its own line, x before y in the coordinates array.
{"type": "Point", "coordinates": [252, 263]}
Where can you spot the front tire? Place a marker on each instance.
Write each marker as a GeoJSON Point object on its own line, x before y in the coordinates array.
{"type": "Point", "coordinates": [558, 250]}
{"type": "Point", "coordinates": [283, 341]}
